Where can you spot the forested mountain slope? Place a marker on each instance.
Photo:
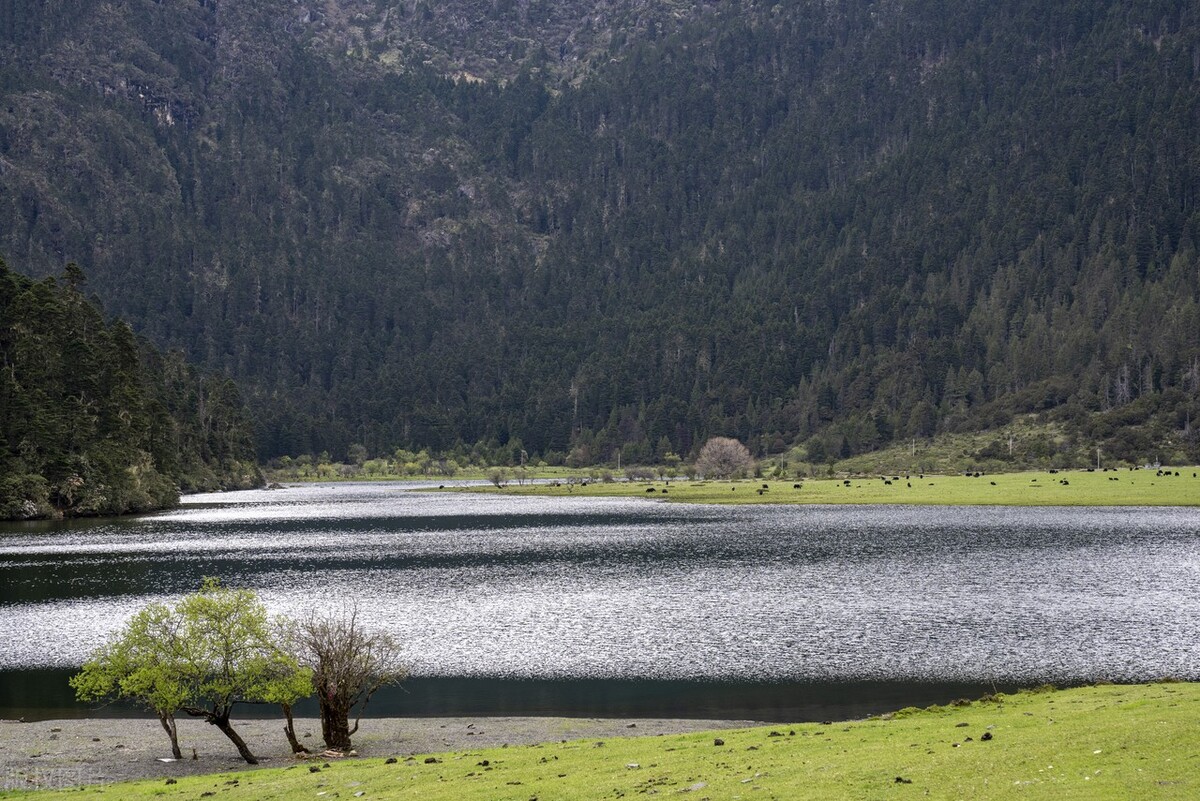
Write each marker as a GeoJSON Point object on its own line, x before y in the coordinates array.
{"type": "Point", "coordinates": [630, 224]}
{"type": "Point", "coordinates": [92, 422]}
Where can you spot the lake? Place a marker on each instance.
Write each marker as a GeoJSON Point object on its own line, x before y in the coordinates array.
{"type": "Point", "coordinates": [630, 607]}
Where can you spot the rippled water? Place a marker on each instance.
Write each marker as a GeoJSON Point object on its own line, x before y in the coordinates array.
{"type": "Point", "coordinates": [571, 589]}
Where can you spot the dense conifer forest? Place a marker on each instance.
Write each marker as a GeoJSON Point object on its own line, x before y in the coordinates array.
{"type": "Point", "coordinates": [94, 422]}
{"type": "Point", "coordinates": [582, 228]}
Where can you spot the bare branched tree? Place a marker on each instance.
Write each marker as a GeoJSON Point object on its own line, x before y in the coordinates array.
{"type": "Point", "coordinates": [349, 663]}
{"type": "Point", "coordinates": [722, 457]}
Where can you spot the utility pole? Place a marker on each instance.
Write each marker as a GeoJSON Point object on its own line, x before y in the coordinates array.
{"type": "Point", "coordinates": [1097, 457]}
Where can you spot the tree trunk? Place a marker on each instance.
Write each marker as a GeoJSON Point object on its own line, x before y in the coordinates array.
{"type": "Point", "coordinates": [335, 722]}
{"type": "Point", "coordinates": [362, 708]}
{"type": "Point", "coordinates": [324, 722]}
{"type": "Point", "coordinates": [289, 729]}
{"type": "Point", "coordinates": [222, 723]}
{"type": "Point", "coordinates": [168, 723]}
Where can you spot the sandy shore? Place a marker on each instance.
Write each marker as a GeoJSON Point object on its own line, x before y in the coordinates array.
{"type": "Point", "coordinates": [65, 753]}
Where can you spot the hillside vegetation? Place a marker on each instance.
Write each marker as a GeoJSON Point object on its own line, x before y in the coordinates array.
{"type": "Point", "coordinates": [94, 422]}
{"type": "Point", "coordinates": [579, 229]}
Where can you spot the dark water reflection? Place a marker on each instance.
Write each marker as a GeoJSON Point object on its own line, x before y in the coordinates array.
{"type": "Point", "coordinates": [537, 598]}
{"type": "Point", "coordinates": [44, 694]}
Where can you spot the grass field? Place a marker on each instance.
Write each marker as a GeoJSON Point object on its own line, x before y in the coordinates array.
{"type": "Point", "coordinates": [1105, 742]}
{"type": "Point", "coordinates": [1081, 488]}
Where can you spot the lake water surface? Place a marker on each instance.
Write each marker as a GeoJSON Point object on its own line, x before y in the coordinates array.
{"type": "Point", "coordinates": [540, 604]}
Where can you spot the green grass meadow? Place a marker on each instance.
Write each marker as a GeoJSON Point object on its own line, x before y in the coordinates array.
{"type": "Point", "coordinates": [1104, 742]}
{"type": "Point", "coordinates": [1111, 488]}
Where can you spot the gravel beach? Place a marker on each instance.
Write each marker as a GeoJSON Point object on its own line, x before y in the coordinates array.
{"type": "Point", "coordinates": [65, 753]}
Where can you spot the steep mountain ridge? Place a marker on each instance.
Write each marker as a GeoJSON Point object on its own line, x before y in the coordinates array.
{"type": "Point", "coordinates": [838, 223]}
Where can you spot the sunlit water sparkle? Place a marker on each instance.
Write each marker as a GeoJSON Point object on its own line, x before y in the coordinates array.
{"type": "Point", "coordinates": [629, 589]}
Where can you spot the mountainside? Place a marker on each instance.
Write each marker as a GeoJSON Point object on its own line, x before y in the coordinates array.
{"type": "Point", "coordinates": [92, 422]}
{"type": "Point", "coordinates": [629, 224]}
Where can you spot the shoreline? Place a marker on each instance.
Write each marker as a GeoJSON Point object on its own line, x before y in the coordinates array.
{"type": "Point", "coordinates": [1100, 741]}
{"type": "Point", "coordinates": [1178, 487]}
{"type": "Point", "coordinates": [58, 754]}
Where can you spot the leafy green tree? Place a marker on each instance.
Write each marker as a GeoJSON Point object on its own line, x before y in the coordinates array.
{"type": "Point", "coordinates": [210, 651]}
{"type": "Point", "coordinates": [671, 464]}
{"type": "Point", "coordinates": [132, 666]}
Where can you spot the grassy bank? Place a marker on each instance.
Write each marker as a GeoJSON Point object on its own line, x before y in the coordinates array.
{"type": "Point", "coordinates": [1029, 442]}
{"type": "Point", "coordinates": [1106, 742]}
{"type": "Point", "coordinates": [1081, 488]}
